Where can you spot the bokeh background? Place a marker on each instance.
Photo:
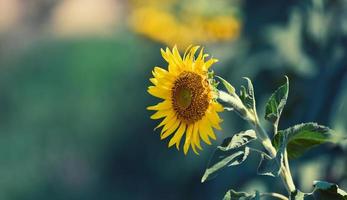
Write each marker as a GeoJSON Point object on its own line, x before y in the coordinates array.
{"type": "Point", "coordinates": [73, 80]}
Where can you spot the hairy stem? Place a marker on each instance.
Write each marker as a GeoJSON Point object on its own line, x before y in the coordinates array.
{"type": "Point", "coordinates": [266, 142]}
{"type": "Point", "coordinates": [275, 128]}
{"type": "Point", "coordinates": [286, 164]}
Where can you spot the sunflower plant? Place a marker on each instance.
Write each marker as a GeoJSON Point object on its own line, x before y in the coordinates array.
{"type": "Point", "coordinates": [190, 105]}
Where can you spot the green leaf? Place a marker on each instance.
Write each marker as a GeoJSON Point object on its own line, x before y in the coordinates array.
{"type": "Point", "coordinates": [276, 103]}
{"type": "Point", "coordinates": [233, 151]}
{"type": "Point", "coordinates": [322, 191]}
{"type": "Point", "coordinates": [247, 95]}
{"type": "Point", "coordinates": [211, 79]}
{"type": "Point", "coordinates": [302, 137]}
{"type": "Point", "coordinates": [272, 166]}
{"type": "Point", "coordinates": [227, 85]}
{"type": "Point", "coordinates": [233, 195]}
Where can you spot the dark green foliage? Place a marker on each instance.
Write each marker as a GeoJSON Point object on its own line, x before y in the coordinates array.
{"type": "Point", "coordinates": [302, 137]}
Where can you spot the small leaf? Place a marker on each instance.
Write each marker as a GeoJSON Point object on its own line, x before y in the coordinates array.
{"type": "Point", "coordinates": [238, 140]}
{"type": "Point", "coordinates": [227, 85]}
{"type": "Point", "coordinates": [247, 95]}
{"type": "Point", "coordinates": [233, 195]}
{"type": "Point", "coordinates": [322, 191]}
{"type": "Point", "coordinates": [276, 103]}
{"type": "Point", "coordinates": [233, 151]}
{"type": "Point", "coordinates": [224, 159]}
{"type": "Point", "coordinates": [302, 137]}
{"type": "Point", "coordinates": [272, 166]}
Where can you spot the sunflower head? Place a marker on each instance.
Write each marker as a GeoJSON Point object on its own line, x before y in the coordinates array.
{"type": "Point", "coordinates": [188, 104]}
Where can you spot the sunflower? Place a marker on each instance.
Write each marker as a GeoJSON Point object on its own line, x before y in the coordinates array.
{"type": "Point", "coordinates": [189, 105]}
{"type": "Point", "coordinates": [183, 28]}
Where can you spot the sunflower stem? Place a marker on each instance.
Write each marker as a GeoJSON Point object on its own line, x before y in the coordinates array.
{"type": "Point", "coordinates": [235, 102]}
{"type": "Point", "coordinates": [251, 116]}
{"type": "Point", "coordinates": [285, 171]}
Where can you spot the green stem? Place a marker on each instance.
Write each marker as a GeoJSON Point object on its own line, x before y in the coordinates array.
{"type": "Point", "coordinates": [286, 164]}
{"type": "Point", "coordinates": [266, 142]}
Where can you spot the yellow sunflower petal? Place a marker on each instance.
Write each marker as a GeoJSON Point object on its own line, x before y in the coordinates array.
{"type": "Point", "coordinates": [154, 81]}
{"type": "Point", "coordinates": [169, 117]}
{"type": "Point", "coordinates": [165, 79]}
{"type": "Point", "coordinates": [169, 124]}
{"type": "Point", "coordinates": [176, 139]}
{"type": "Point", "coordinates": [161, 106]}
{"type": "Point", "coordinates": [186, 51]}
{"type": "Point", "coordinates": [177, 54]}
{"type": "Point", "coordinates": [209, 63]}
{"type": "Point", "coordinates": [170, 130]}
{"type": "Point", "coordinates": [174, 63]}
{"type": "Point", "coordinates": [189, 58]}
{"type": "Point", "coordinates": [160, 114]}
{"type": "Point", "coordinates": [192, 143]}
{"type": "Point", "coordinates": [196, 137]}
{"type": "Point", "coordinates": [192, 52]}
{"type": "Point", "coordinates": [214, 120]}
{"type": "Point", "coordinates": [193, 147]}
{"type": "Point", "coordinates": [199, 62]}
{"type": "Point", "coordinates": [201, 53]}
{"type": "Point", "coordinates": [160, 71]}
{"type": "Point", "coordinates": [162, 75]}
{"type": "Point", "coordinates": [159, 92]}
{"type": "Point", "coordinates": [188, 138]}
{"type": "Point", "coordinates": [218, 107]}
{"type": "Point", "coordinates": [163, 54]}
{"type": "Point", "coordinates": [162, 83]}
{"type": "Point", "coordinates": [203, 134]}
{"type": "Point", "coordinates": [206, 127]}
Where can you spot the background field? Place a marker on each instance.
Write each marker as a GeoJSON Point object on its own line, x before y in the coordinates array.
{"type": "Point", "coordinates": [73, 81]}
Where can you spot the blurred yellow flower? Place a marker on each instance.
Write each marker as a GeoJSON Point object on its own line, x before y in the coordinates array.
{"type": "Point", "coordinates": [161, 23]}
{"type": "Point", "coordinates": [189, 106]}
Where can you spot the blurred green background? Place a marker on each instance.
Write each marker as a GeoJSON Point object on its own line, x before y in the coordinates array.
{"type": "Point", "coordinates": [73, 81]}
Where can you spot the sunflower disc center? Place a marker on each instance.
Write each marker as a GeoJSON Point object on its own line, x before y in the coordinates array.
{"type": "Point", "coordinates": [184, 97]}
{"type": "Point", "coordinates": [190, 96]}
